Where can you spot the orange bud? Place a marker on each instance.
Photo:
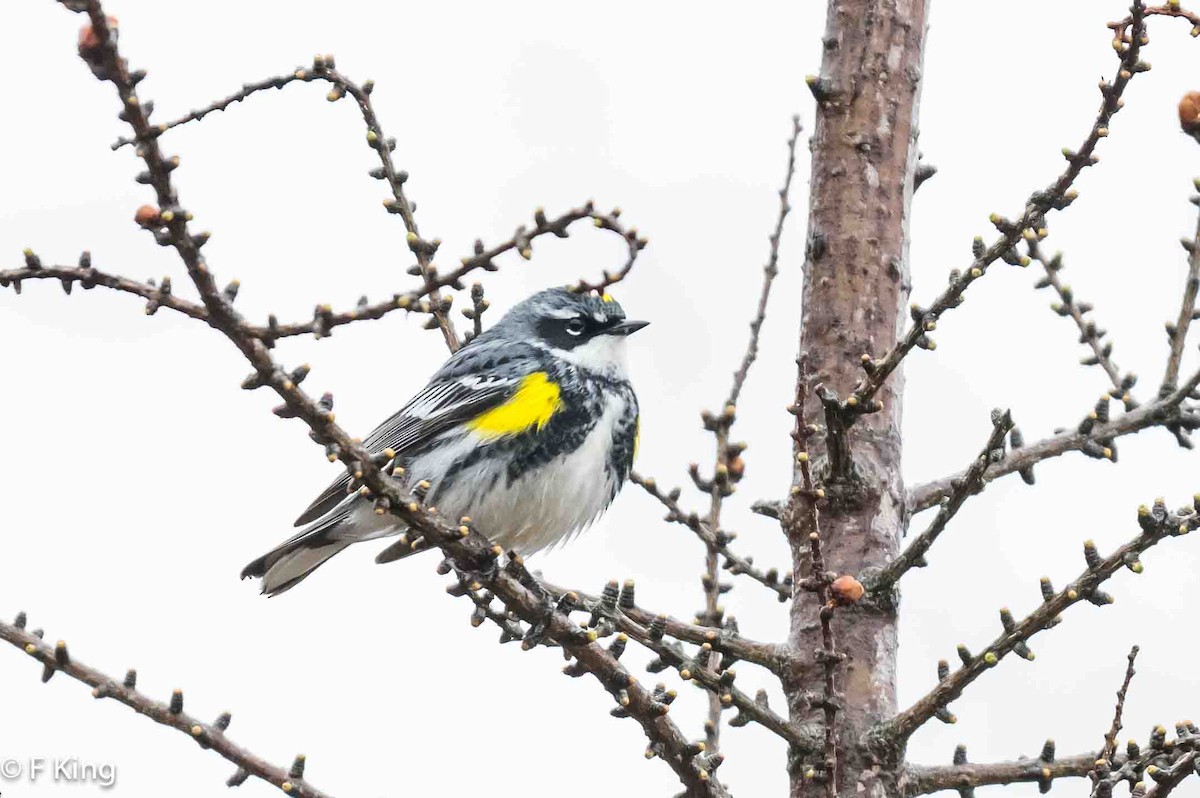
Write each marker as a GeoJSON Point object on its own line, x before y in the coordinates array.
{"type": "Point", "coordinates": [846, 590]}
{"type": "Point", "coordinates": [148, 216]}
{"type": "Point", "coordinates": [1189, 113]}
{"type": "Point", "coordinates": [737, 468]}
{"type": "Point", "coordinates": [89, 40]}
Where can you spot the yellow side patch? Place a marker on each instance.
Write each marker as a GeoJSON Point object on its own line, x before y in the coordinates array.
{"type": "Point", "coordinates": [532, 406]}
{"type": "Point", "coordinates": [637, 435]}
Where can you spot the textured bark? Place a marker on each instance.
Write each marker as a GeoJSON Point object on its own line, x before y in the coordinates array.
{"type": "Point", "coordinates": [856, 284]}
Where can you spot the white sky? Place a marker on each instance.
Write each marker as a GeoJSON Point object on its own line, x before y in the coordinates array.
{"type": "Point", "coordinates": [139, 479]}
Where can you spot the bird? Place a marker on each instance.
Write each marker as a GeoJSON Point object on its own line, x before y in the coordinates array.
{"type": "Point", "coordinates": [530, 430]}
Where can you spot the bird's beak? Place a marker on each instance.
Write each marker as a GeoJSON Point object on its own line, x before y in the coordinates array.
{"type": "Point", "coordinates": [626, 327]}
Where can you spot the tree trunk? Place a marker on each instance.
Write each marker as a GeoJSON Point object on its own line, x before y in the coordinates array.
{"type": "Point", "coordinates": [856, 284]}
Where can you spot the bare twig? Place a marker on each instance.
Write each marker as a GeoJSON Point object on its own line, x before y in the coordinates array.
{"type": "Point", "coordinates": [398, 203]}
{"type": "Point", "coordinates": [964, 776]}
{"type": "Point", "coordinates": [1110, 739]}
{"type": "Point", "coordinates": [726, 640]}
{"type": "Point", "coordinates": [1159, 413]}
{"type": "Point", "coordinates": [1187, 309]}
{"type": "Point", "coordinates": [325, 319]}
{"type": "Point", "coordinates": [56, 659]}
{"type": "Point", "coordinates": [1157, 524]}
{"type": "Point", "coordinates": [728, 466]}
{"type": "Point", "coordinates": [475, 313]}
{"type": "Point", "coordinates": [732, 562]}
{"type": "Point", "coordinates": [703, 669]}
{"type": "Point", "coordinates": [1165, 762]}
{"type": "Point", "coordinates": [1167, 780]}
{"type": "Point", "coordinates": [769, 271]}
{"type": "Point", "coordinates": [972, 482]}
{"type": "Point", "coordinates": [299, 74]}
{"type": "Point", "coordinates": [615, 611]}
{"type": "Point", "coordinates": [323, 69]}
{"type": "Point", "coordinates": [1069, 306]}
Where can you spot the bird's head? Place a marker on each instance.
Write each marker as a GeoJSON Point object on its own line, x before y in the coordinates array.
{"type": "Point", "coordinates": [585, 329]}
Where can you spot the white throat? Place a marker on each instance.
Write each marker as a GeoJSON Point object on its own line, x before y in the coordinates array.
{"type": "Point", "coordinates": [604, 354]}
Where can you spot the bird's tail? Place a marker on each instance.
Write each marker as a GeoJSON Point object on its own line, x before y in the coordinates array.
{"type": "Point", "coordinates": [286, 565]}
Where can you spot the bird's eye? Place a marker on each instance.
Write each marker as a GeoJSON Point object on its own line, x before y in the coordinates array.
{"type": "Point", "coordinates": [575, 327]}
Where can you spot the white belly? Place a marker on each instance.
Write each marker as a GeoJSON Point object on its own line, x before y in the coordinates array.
{"type": "Point", "coordinates": [542, 507]}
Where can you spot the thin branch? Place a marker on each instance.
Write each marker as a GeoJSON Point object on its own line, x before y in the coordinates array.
{"type": "Point", "coordinates": [970, 484]}
{"type": "Point", "coordinates": [716, 679]}
{"type": "Point", "coordinates": [1069, 306]}
{"type": "Point", "coordinates": [1165, 762]}
{"type": "Point", "coordinates": [712, 614]}
{"type": "Point", "coordinates": [56, 659]}
{"type": "Point", "coordinates": [88, 277]}
{"type": "Point", "coordinates": [923, 780]}
{"type": "Point", "coordinates": [618, 605]}
{"type": "Point", "coordinates": [1159, 413]}
{"type": "Point", "coordinates": [615, 611]}
{"type": "Point", "coordinates": [1157, 524]}
{"type": "Point", "coordinates": [1110, 739]}
{"type": "Point", "coordinates": [161, 295]}
{"type": "Point", "coordinates": [769, 271]}
{"type": "Point", "coordinates": [728, 466]}
{"type": "Point", "coordinates": [399, 202]}
{"type": "Point", "coordinates": [1169, 779]}
{"type": "Point", "coordinates": [299, 74]}
{"type": "Point", "coordinates": [732, 562]}
{"type": "Point", "coordinates": [479, 306]}
{"type": "Point", "coordinates": [1187, 309]}
{"type": "Point", "coordinates": [325, 319]}
{"type": "Point", "coordinates": [323, 69]}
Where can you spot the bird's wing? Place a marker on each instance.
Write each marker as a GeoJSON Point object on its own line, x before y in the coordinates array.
{"type": "Point", "coordinates": [444, 403]}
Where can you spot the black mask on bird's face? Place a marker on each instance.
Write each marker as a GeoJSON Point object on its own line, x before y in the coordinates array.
{"type": "Point", "coordinates": [585, 329]}
{"type": "Point", "coordinates": [569, 333]}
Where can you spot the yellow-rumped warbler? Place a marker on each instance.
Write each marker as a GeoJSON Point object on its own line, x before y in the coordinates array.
{"type": "Point", "coordinates": [530, 429]}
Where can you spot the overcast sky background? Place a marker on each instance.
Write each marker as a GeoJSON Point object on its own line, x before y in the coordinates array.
{"type": "Point", "coordinates": [139, 479]}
